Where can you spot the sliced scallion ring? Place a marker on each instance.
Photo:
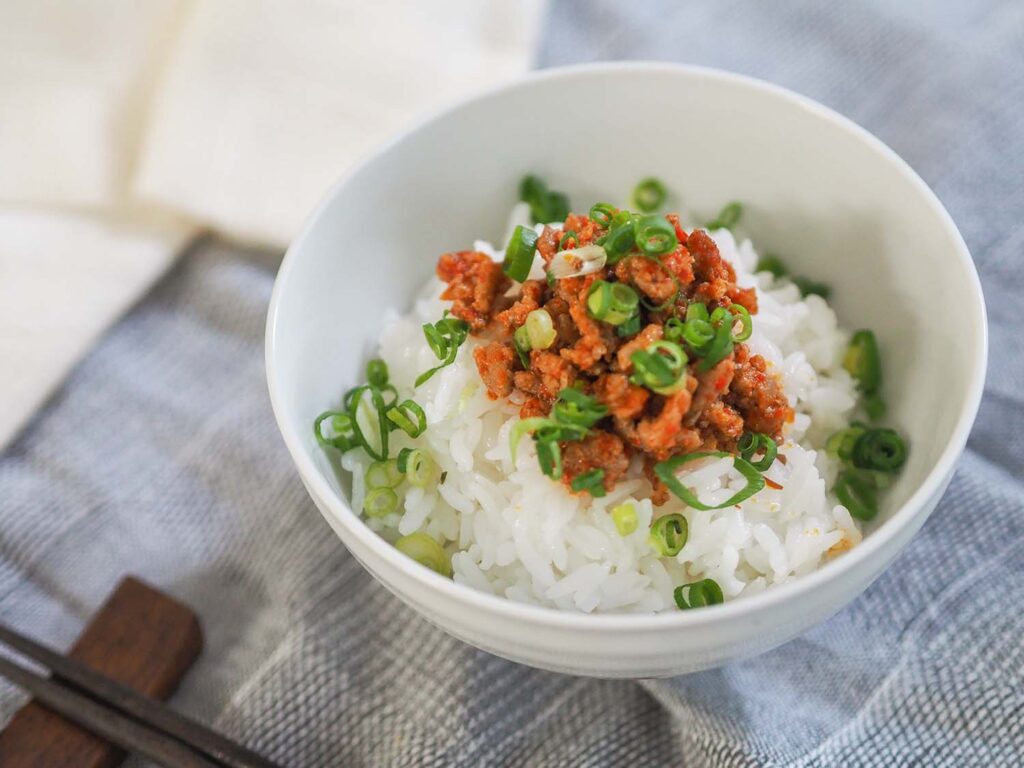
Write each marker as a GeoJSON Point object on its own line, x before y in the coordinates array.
{"type": "Point", "coordinates": [666, 472]}
{"type": "Point", "coordinates": [519, 253]}
{"type": "Point", "coordinates": [422, 548]}
{"type": "Point", "coordinates": [380, 502]}
{"type": "Point", "coordinates": [698, 594]}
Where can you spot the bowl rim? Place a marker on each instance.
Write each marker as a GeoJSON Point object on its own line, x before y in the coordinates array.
{"type": "Point", "coordinates": [829, 572]}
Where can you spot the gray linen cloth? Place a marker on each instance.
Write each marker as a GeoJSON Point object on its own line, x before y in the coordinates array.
{"type": "Point", "coordinates": [160, 457]}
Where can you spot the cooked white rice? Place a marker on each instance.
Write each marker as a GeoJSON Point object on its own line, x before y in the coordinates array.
{"type": "Point", "coordinates": [514, 532]}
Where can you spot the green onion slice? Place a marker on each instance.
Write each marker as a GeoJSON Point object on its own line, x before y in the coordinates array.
{"type": "Point", "coordinates": [521, 342]}
{"type": "Point", "coordinates": [577, 409]}
{"type": "Point", "coordinates": [402, 416]}
{"type": "Point", "coordinates": [727, 218]}
{"type": "Point", "coordinates": [567, 236]}
{"type": "Point", "coordinates": [417, 466]}
{"type": "Point", "coordinates": [880, 449]}
{"type": "Point", "coordinates": [444, 337]}
{"type": "Point", "coordinates": [377, 373]}
{"type": "Point", "coordinates": [625, 519]}
{"type": "Point", "coordinates": [383, 474]}
{"type": "Point", "coordinates": [668, 534]}
{"type": "Point", "coordinates": [857, 493]}
{"type": "Point", "coordinates": [649, 195]}
{"type": "Point", "coordinates": [602, 213]}
{"type": "Point", "coordinates": [549, 456]}
{"type": "Point", "coordinates": [592, 482]}
{"type": "Point", "coordinates": [519, 253]}
{"type": "Point", "coordinates": [621, 236]}
{"type": "Point", "coordinates": [655, 235]}
{"type": "Point", "coordinates": [630, 327]}
{"type": "Point", "coordinates": [422, 548]}
{"type": "Point", "coordinates": [875, 407]}
{"type": "Point", "coordinates": [666, 472]}
{"type": "Point", "coordinates": [717, 349]}
{"type": "Point", "coordinates": [380, 502]}
{"type": "Point", "coordinates": [540, 329]}
{"type": "Point", "coordinates": [842, 442]}
{"type": "Point", "coordinates": [863, 361]}
{"type": "Point", "coordinates": [612, 303]}
{"type": "Point", "coordinates": [742, 315]}
{"type": "Point", "coordinates": [356, 400]}
{"type": "Point", "coordinates": [341, 425]}
{"type": "Point", "coordinates": [753, 443]}
{"type": "Point", "coordinates": [698, 594]}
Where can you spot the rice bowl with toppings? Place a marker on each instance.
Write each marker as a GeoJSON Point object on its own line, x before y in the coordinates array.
{"type": "Point", "coordinates": [456, 484]}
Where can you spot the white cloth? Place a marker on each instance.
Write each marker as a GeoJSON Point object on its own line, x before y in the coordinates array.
{"type": "Point", "coordinates": [265, 103]}
{"type": "Point", "coordinates": [125, 126]}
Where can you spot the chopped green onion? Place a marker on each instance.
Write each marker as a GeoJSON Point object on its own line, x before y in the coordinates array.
{"type": "Point", "coordinates": [841, 443]}
{"type": "Point", "coordinates": [612, 303]}
{"type": "Point", "coordinates": [602, 213]}
{"type": "Point", "coordinates": [377, 373]}
{"type": "Point", "coordinates": [698, 333]}
{"type": "Point", "coordinates": [383, 474]}
{"type": "Point", "coordinates": [521, 343]}
{"type": "Point", "coordinates": [540, 329]}
{"type": "Point", "coordinates": [566, 237]}
{"type": "Point", "coordinates": [857, 494]}
{"type": "Point", "coordinates": [621, 236]}
{"type": "Point", "coordinates": [743, 318]}
{"type": "Point", "coordinates": [577, 409]}
{"type": "Point", "coordinates": [592, 482]}
{"type": "Point", "coordinates": [402, 416]}
{"type": "Point", "coordinates": [355, 398]}
{"type": "Point", "coordinates": [717, 349]}
{"type": "Point", "coordinates": [698, 594]}
{"type": "Point", "coordinates": [773, 264]}
{"type": "Point", "coordinates": [697, 311]}
{"type": "Point", "coordinates": [649, 195]}
{"type": "Point", "coordinates": [863, 361]}
{"type": "Point", "coordinates": [546, 206]}
{"type": "Point", "coordinates": [810, 287]}
{"type": "Point", "coordinates": [655, 235]}
{"type": "Point", "coordinates": [572, 416]}
{"type": "Point", "coordinates": [519, 253]}
{"type": "Point", "coordinates": [417, 466]}
{"type": "Point", "coordinates": [549, 456]}
{"type": "Point", "coordinates": [630, 327]}
{"type": "Point", "coordinates": [666, 472]}
{"type": "Point", "coordinates": [341, 425]}
{"type": "Point", "coordinates": [727, 218]}
{"type": "Point", "coordinates": [380, 502]}
{"type": "Point", "coordinates": [668, 534]}
{"type": "Point", "coordinates": [673, 329]}
{"type": "Point", "coordinates": [444, 337]}
{"type": "Point", "coordinates": [422, 548]}
{"type": "Point", "coordinates": [625, 519]}
{"type": "Point", "coordinates": [875, 407]}
{"type": "Point", "coordinates": [753, 443]}
{"type": "Point", "coordinates": [880, 449]}
{"type": "Point", "coordinates": [661, 367]}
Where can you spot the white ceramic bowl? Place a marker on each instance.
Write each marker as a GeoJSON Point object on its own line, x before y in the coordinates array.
{"type": "Point", "coordinates": [832, 199]}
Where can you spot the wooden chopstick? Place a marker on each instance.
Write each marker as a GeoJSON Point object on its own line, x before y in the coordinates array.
{"type": "Point", "coordinates": [119, 714]}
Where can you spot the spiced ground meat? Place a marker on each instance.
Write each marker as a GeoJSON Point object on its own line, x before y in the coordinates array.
{"type": "Point", "coordinates": [707, 407]}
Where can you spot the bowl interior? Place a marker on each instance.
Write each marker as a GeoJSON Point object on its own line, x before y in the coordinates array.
{"type": "Point", "coordinates": [834, 203]}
